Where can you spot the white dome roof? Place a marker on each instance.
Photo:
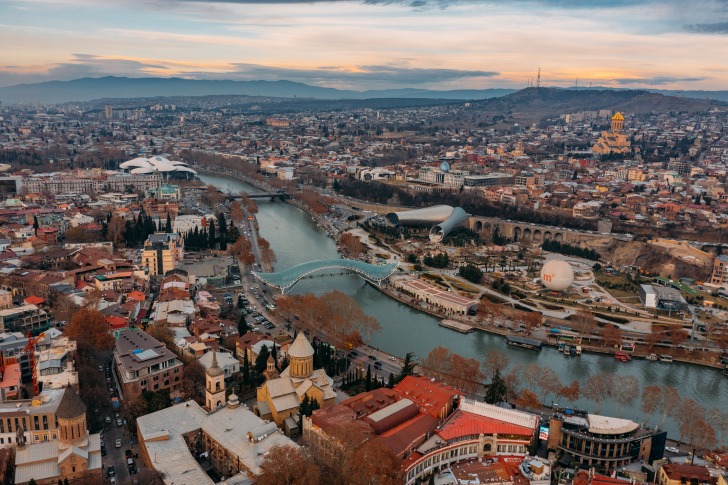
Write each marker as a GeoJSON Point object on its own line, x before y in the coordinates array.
{"type": "Point", "coordinates": [300, 348]}
{"type": "Point", "coordinates": [141, 165]}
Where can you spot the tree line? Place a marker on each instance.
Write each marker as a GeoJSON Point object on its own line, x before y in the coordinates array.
{"type": "Point", "coordinates": [569, 250]}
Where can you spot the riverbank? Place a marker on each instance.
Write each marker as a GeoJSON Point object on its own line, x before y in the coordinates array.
{"type": "Point", "coordinates": [416, 305]}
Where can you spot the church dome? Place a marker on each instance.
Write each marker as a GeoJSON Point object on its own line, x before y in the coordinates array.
{"type": "Point", "coordinates": [214, 370]}
{"type": "Point", "coordinates": [618, 117]}
{"type": "Point", "coordinates": [71, 405]}
{"type": "Point", "coordinates": [301, 348]}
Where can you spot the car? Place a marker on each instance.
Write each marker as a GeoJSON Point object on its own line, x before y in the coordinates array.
{"type": "Point", "coordinates": [372, 357]}
{"type": "Point", "coordinates": [354, 353]}
{"type": "Point", "coordinates": [112, 480]}
{"type": "Point", "coordinates": [107, 420]}
{"type": "Point", "coordinates": [128, 454]}
{"type": "Point", "coordinates": [391, 357]}
{"type": "Point", "coordinates": [118, 443]}
{"type": "Point", "coordinates": [103, 451]}
{"type": "Point", "coordinates": [118, 423]}
{"type": "Point", "coordinates": [110, 471]}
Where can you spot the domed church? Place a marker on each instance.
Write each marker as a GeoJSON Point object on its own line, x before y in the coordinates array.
{"type": "Point", "coordinates": [279, 398]}
{"type": "Point", "coordinates": [613, 141]}
{"type": "Point", "coordinates": [75, 456]}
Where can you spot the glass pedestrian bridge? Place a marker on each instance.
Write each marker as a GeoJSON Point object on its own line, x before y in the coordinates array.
{"type": "Point", "coordinates": [284, 280]}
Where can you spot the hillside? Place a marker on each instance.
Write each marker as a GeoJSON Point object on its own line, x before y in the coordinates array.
{"type": "Point", "coordinates": [533, 104]}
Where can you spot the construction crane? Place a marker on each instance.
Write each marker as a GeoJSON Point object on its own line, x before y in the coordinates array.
{"type": "Point", "coordinates": [30, 349]}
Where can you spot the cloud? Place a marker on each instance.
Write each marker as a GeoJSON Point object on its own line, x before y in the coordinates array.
{"type": "Point", "coordinates": [659, 80]}
{"type": "Point", "coordinates": [372, 75]}
{"type": "Point", "coordinates": [714, 28]}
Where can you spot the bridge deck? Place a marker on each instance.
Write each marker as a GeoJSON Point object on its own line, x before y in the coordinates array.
{"type": "Point", "coordinates": [289, 277]}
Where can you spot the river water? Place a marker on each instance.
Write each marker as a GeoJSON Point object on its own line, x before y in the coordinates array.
{"type": "Point", "coordinates": [295, 238]}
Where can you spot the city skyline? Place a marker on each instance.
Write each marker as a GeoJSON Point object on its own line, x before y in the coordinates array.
{"type": "Point", "coordinates": [371, 44]}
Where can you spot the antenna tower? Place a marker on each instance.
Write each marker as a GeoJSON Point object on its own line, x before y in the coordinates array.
{"type": "Point", "coordinates": [538, 79]}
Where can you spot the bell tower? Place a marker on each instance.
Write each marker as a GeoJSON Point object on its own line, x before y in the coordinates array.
{"type": "Point", "coordinates": [214, 385]}
{"type": "Point", "coordinates": [617, 122]}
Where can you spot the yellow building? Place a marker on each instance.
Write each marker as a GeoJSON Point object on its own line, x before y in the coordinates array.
{"type": "Point", "coordinates": [161, 252]}
{"type": "Point", "coordinates": [613, 141]}
{"type": "Point", "coordinates": [279, 399]}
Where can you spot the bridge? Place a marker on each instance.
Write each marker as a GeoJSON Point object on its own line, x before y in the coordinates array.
{"type": "Point", "coordinates": [284, 280]}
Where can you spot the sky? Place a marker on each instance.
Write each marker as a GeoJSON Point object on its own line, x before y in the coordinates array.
{"type": "Point", "coordinates": [372, 44]}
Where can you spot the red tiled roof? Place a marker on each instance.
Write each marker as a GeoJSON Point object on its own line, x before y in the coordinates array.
{"type": "Point", "coordinates": [34, 300]}
{"type": "Point", "coordinates": [115, 322]}
{"type": "Point", "coordinates": [465, 424]}
{"type": "Point", "coordinates": [136, 295]}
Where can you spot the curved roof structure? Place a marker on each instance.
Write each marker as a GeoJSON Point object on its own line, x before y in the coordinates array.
{"type": "Point", "coordinates": [141, 165]}
{"type": "Point", "coordinates": [420, 217]}
{"type": "Point", "coordinates": [457, 218]}
{"type": "Point", "coordinates": [287, 278]}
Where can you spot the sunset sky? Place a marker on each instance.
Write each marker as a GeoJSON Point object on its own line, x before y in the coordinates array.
{"type": "Point", "coordinates": [372, 44]}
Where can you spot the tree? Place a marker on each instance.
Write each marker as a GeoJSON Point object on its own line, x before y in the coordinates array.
{"type": "Point", "coordinates": [408, 366]}
{"type": "Point", "coordinates": [261, 362]}
{"type": "Point", "coordinates": [570, 392]}
{"type": "Point", "coordinates": [374, 463]}
{"type": "Point", "coordinates": [288, 465]}
{"type": "Point", "coordinates": [458, 371]}
{"type": "Point", "coordinates": [527, 399]}
{"type": "Point", "coordinates": [611, 336]}
{"type": "Point", "coordinates": [598, 388]}
{"type": "Point", "coordinates": [471, 273]}
{"type": "Point", "coordinates": [36, 226]}
{"type": "Point", "coordinates": [335, 314]}
{"type": "Point", "coordinates": [497, 390]}
{"type": "Point", "coordinates": [211, 235]}
{"type": "Point", "coordinates": [88, 328]}
{"type": "Point", "coordinates": [629, 388]}
{"type": "Point", "coordinates": [116, 230]}
{"type": "Point", "coordinates": [135, 409]}
{"type": "Point", "coordinates": [584, 322]}
{"type": "Point", "coordinates": [495, 361]}
{"type": "Point", "coordinates": [168, 225]}
{"type": "Point", "coordinates": [664, 400]}
{"type": "Point", "coordinates": [352, 245]}
{"type": "Point", "coordinates": [246, 368]}
{"type": "Point", "coordinates": [150, 476]}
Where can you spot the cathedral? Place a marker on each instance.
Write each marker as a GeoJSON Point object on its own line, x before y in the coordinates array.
{"type": "Point", "coordinates": [613, 141]}
{"type": "Point", "coordinates": [280, 397]}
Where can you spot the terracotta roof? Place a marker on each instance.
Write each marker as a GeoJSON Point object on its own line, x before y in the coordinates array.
{"type": "Point", "coordinates": [465, 424]}
{"type": "Point", "coordinates": [70, 406]}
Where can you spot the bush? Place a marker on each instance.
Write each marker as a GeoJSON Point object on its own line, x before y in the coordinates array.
{"type": "Point", "coordinates": [471, 273]}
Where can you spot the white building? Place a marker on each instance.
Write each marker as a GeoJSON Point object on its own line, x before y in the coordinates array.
{"type": "Point", "coordinates": [227, 362]}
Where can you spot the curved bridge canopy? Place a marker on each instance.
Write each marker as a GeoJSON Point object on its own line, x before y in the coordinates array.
{"type": "Point", "coordinates": [285, 279]}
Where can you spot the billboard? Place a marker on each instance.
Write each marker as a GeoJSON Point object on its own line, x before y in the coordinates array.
{"type": "Point", "coordinates": [543, 433]}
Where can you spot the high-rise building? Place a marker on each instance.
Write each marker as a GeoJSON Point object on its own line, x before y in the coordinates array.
{"type": "Point", "coordinates": [109, 110]}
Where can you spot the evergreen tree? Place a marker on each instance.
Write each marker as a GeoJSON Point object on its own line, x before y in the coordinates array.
{"type": "Point", "coordinates": [497, 389]}
{"type": "Point", "coordinates": [391, 382]}
{"type": "Point", "coordinates": [274, 353]}
{"type": "Point", "coordinates": [223, 230]}
{"type": "Point", "coordinates": [168, 227]}
{"type": "Point", "coordinates": [211, 235]}
{"type": "Point", "coordinates": [36, 226]}
{"type": "Point", "coordinates": [261, 362]}
{"type": "Point", "coordinates": [242, 326]}
{"type": "Point", "coordinates": [408, 366]}
{"type": "Point", "coordinates": [246, 368]}
{"type": "Point", "coordinates": [368, 379]}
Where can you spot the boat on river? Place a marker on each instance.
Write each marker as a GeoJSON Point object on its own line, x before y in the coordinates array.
{"type": "Point", "coordinates": [622, 356]}
{"type": "Point", "coordinates": [665, 358]}
{"type": "Point", "coordinates": [651, 357]}
{"type": "Point", "coordinates": [526, 343]}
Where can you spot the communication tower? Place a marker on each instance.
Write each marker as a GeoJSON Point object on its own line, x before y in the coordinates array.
{"type": "Point", "coordinates": [538, 79]}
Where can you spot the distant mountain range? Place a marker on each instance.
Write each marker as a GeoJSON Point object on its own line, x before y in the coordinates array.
{"type": "Point", "coordinates": [88, 89]}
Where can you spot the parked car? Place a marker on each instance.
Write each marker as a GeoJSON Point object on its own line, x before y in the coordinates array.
{"type": "Point", "coordinates": [118, 442]}
{"type": "Point", "coordinates": [110, 471]}
{"type": "Point", "coordinates": [118, 423]}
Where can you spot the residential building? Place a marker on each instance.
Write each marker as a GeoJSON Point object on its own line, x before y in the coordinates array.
{"type": "Point", "coordinates": [678, 474]}
{"type": "Point", "coordinates": [161, 253]}
{"type": "Point", "coordinates": [720, 271]}
{"type": "Point", "coordinates": [227, 362]}
{"type": "Point", "coordinates": [24, 319]}
{"type": "Point", "coordinates": [144, 364]}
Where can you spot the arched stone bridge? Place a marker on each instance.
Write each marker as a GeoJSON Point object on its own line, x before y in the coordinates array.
{"type": "Point", "coordinates": [536, 234]}
{"type": "Point", "coordinates": [284, 280]}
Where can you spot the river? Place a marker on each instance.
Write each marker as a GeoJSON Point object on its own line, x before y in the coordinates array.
{"type": "Point", "coordinates": [295, 238]}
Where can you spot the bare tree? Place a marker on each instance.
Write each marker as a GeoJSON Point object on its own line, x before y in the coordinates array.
{"type": "Point", "coordinates": [598, 388]}
{"type": "Point", "coordinates": [629, 389]}
{"type": "Point", "coordinates": [288, 465]}
{"type": "Point", "coordinates": [495, 360]}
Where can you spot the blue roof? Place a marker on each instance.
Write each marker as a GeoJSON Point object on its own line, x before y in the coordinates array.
{"type": "Point", "coordinates": [289, 277]}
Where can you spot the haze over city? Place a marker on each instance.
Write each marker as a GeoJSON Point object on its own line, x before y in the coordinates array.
{"type": "Point", "coordinates": [371, 44]}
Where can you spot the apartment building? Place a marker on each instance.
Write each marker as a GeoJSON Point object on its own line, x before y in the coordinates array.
{"type": "Point", "coordinates": [720, 271]}
{"type": "Point", "coordinates": [161, 253]}
{"type": "Point", "coordinates": [36, 416]}
{"type": "Point", "coordinates": [24, 319]}
{"type": "Point", "coordinates": [144, 364]}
